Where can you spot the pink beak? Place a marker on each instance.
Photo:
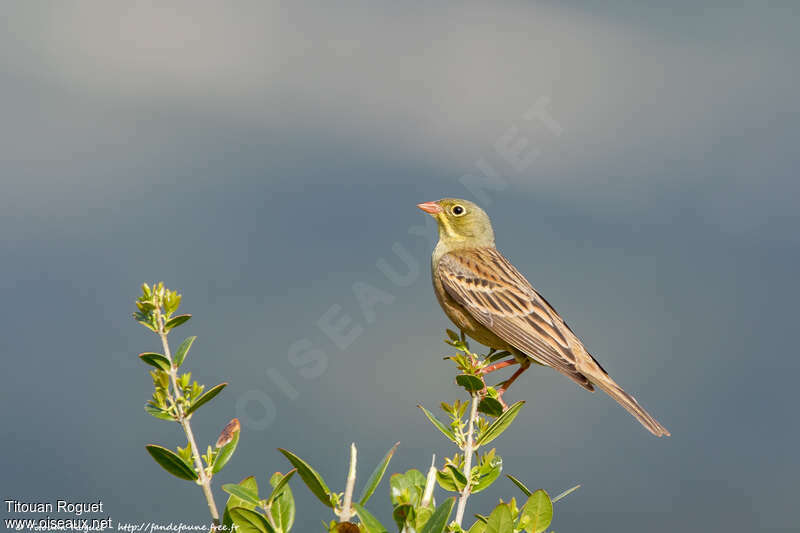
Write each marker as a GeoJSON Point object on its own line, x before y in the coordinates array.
{"type": "Point", "coordinates": [431, 208]}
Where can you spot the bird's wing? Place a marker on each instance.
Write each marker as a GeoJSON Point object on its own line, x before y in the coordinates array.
{"type": "Point", "coordinates": [488, 286]}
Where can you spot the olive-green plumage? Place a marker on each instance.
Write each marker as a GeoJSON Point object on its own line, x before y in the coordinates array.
{"type": "Point", "coordinates": [486, 297]}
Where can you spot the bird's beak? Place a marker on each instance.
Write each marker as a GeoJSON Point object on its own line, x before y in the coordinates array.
{"type": "Point", "coordinates": [432, 208]}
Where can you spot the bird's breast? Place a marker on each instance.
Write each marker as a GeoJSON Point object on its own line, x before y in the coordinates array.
{"type": "Point", "coordinates": [462, 318]}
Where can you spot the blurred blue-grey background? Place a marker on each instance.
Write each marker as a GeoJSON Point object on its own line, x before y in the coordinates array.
{"type": "Point", "coordinates": [265, 159]}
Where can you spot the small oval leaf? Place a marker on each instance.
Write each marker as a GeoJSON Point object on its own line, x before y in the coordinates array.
{"type": "Point", "coordinates": [277, 487]}
{"type": "Point", "coordinates": [155, 360]}
{"type": "Point", "coordinates": [146, 323]}
{"type": "Point", "coordinates": [451, 479]}
{"type": "Point", "coordinates": [248, 521]}
{"type": "Point", "coordinates": [471, 383]}
{"type": "Point", "coordinates": [176, 321]}
{"type": "Point", "coordinates": [234, 501]}
{"type": "Point", "coordinates": [500, 424]}
{"type": "Point", "coordinates": [488, 478]}
{"type": "Point", "coordinates": [171, 462]}
{"type": "Point", "coordinates": [183, 349]}
{"type": "Point", "coordinates": [500, 521]}
{"type": "Point", "coordinates": [226, 451]}
{"type": "Point", "coordinates": [537, 513]}
{"type": "Point", "coordinates": [205, 398]}
{"type": "Point", "coordinates": [243, 493]}
{"type": "Point", "coordinates": [158, 412]}
{"type": "Point", "coordinates": [282, 506]}
{"type": "Point", "coordinates": [407, 488]}
{"type": "Point", "coordinates": [311, 478]}
{"type": "Point", "coordinates": [490, 406]}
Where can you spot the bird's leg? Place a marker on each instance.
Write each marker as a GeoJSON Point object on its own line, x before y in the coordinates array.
{"type": "Point", "coordinates": [502, 364]}
{"type": "Point", "coordinates": [497, 366]}
{"type": "Point", "coordinates": [507, 383]}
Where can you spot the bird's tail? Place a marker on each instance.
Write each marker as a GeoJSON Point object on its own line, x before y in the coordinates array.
{"type": "Point", "coordinates": [630, 404]}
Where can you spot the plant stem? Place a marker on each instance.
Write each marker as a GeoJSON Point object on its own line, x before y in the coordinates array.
{"type": "Point", "coordinates": [205, 481]}
{"type": "Point", "coordinates": [270, 519]}
{"type": "Point", "coordinates": [347, 506]}
{"type": "Point", "coordinates": [468, 451]}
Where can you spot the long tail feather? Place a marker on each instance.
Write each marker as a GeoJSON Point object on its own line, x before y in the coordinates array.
{"type": "Point", "coordinates": [630, 404]}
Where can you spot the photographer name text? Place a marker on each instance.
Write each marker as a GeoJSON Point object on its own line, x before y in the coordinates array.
{"type": "Point", "coordinates": [60, 506]}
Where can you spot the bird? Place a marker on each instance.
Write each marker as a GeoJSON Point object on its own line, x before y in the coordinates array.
{"type": "Point", "coordinates": [489, 300]}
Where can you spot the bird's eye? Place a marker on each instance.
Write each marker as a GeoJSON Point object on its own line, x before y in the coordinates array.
{"type": "Point", "coordinates": [457, 210]}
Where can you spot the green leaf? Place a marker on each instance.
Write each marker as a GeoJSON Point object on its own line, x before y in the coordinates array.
{"type": "Point", "coordinates": [421, 516]}
{"type": "Point", "coordinates": [500, 520]}
{"type": "Point", "coordinates": [490, 406]}
{"type": "Point", "coordinates": [520, 484]}
{"type": "Point", "coordinates": [205, 398]}
{"type": "Point", "coordinates": [376, 476]}
{"type": "Point", "coordinates": [171, 462]}
{"type": "Point", "coordinates": [279, 481]}
{"type": "Point", "coordinates": [176, 321]}
{"type": "Point", "coordinates": [155, 359]}
{"type": "Point", "coordinates": [451, 478]}
{"type": "Point", "coordinates": [407, 488]}
{"type": "Point", "coordinates": [370, 523]}
{"type": "Point", "coordinates": [243, 493]}
{"type": "Point", "coordinates": [486, 474]}
{"type": "Point", "coordinates": [401, 515]}
{"type": "Point", "coordinates": [406, 494]}
{"type": "Point", "coordinates": [158, 412]}
{"type": "Point", "coordinates": [566, 493]}
{"type": "Point", "coordinates": [224, 454]}
{"type": "Point", "coordinates": [453, 335]}
{"type": "Point", "coordinates": [416, 479]}
{"type": "Point", "coordinates": [145, 321]}
{"type": "Point", "coordinates": [282, 504]}
{"type": "Point", "coordinates": [250, 521]}
{"type": "Point", "coordinates": [500, 424]}
{"type": "Point", "coordinates": [478, 527]}
{"type": "Point", "coordinates": [447, 432]}
{"type": "Point", "coordinates": [171, 302]}
{"type": "Point", "coordinates": [234, 501]}
{"type": "Point", "coordinates": [537, 513]}
{"type": "Point", "coordinates": [439, 519]}
{"type": "Point", "coordinates": [183, 349]}
{"type": "Point", "coordinates": [311, 478]}
{"type": "Point", "coordinates": [471, 383]}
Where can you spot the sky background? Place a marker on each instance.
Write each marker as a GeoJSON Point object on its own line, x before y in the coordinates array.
{"type": "Point", "coordinates": [264, 158]}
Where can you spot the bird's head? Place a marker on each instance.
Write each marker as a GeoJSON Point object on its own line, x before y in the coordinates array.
{"type": "Point", "coordinates": [461, 222]}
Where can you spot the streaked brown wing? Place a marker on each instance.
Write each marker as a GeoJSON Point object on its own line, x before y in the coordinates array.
{"type": "Point", "coordinates": [500, 298]}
